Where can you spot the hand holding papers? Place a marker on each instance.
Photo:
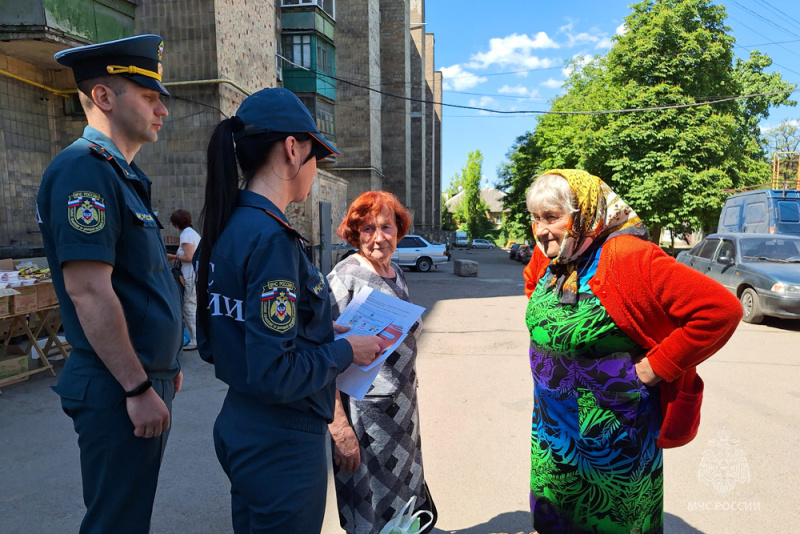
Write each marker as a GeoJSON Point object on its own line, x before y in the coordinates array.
{"type": "Point", "coordinates": [374, 313]}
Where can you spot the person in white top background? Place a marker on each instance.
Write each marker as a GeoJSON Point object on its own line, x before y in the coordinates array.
{"type": "Point", "coordinates": [189, 240]}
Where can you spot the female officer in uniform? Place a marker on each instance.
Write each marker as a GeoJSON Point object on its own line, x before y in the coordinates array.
{"type": "Point", "coordinates": [264, 318]}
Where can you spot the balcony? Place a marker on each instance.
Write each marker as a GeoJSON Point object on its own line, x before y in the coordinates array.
{"type": "Point", "coordinates": [33, 30]}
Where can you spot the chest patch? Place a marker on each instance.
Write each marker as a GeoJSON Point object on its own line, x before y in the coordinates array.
{"type": "Point", "coordinates": [86, 211]}
{"type": "Point", "coordinates": [278, 305]}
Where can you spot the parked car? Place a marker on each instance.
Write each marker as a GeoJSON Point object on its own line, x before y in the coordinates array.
{"type": "Point", "coordinates": [481, 243]}
{"type": "Point", "coordinates": [524, 254]}
{"type": "Point", "coordinates": [416, 252]}
{"type": "Point", "coordinates": [766, 211]}
{"type": "Point", "coordinates": [512, 252]}
{"type": "Point", "coordinates": [763, 270]}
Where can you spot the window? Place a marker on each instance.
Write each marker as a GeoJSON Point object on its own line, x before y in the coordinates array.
{"type": "Point", "coordinates": [298, 50]}
{"type": "Point", "coordinates": [707, 249]}
{"type": "Point", "coordinates": [328, 6]}
{"type": "Point", "coordinates": [324, 57]}
{"type": "Point", "coordinates": [788, 211]}
{"type": "Point", "coordinates": [727, 249]}
{"type": "Point", "coordinates": [755, 212]}
{"type": "Point", "coordinates": [409, 242]}
{"type": "Point", "coordinates": [325, 118]}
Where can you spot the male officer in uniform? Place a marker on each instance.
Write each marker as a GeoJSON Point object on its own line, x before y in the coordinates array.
{"type": "Point", "coordinates": [120, 305]}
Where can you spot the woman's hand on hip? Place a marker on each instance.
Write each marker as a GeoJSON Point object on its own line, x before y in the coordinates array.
{"type": "Point", "coordinates": [365, 348]}
{"type": "Point", "coordinates": [645, 373]}
{"type": "Point", "coordinates": [346, 454]}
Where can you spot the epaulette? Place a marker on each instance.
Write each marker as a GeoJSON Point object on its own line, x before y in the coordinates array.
{"type": "Point", "coordinates": [101, 152]}
{"type": "Point", "coordinates": [287, 226]}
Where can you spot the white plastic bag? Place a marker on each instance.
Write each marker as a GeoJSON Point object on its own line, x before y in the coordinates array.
{"type": "Point", "coordinates": [407, 521]}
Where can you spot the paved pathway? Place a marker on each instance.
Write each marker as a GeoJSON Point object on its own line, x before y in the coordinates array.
{"type": "Point", "coordinates": [475, 403]}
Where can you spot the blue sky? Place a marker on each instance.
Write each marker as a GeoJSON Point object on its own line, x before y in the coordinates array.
{"type": "Point", "coordinates": [510, 55]}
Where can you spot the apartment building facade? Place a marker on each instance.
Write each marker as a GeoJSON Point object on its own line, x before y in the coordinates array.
{"type": "Point", "coordinates": [216, 53]}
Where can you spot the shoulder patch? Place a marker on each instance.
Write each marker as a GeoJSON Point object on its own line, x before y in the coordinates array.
{"type": "Point", "coordinates": [318, 289]}
{"type": "Point", "coordinates": [278, 305]}
{"type": "Point", "coordinates": [86, 211]}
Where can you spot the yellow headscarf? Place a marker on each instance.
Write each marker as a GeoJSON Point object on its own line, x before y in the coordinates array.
{"type": "Point", "coordinates": [601, 213]}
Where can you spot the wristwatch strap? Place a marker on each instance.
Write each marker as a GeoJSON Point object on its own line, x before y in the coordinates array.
{"type": "Point", "coordinates": [141, 388]}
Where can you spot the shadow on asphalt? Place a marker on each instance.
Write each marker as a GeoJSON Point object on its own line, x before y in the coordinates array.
{"type": "Point", "coordinates": [507, 523]}
{"type": "Point", "coordinates": [676, 525]}
{"type": "Point", "coordinates": [792, 325]}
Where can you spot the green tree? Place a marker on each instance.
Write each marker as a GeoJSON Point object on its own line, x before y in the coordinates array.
{"type": "Point", "coordinates": [784, 137]}
{"type": "Point", "coordinates": [671, 165]}
{"type": "Point", "coordinates": [471, 210]}
{"type": "Point", "coordinates": [516, 176]}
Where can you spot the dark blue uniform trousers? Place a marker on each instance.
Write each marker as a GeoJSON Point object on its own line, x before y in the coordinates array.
{"type": "Point", "coordinates": [119, 470]}
{"type": "Point", "coordinates": [276, 461]}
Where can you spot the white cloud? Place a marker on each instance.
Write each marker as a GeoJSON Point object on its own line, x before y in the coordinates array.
{"type": "Point", "coordinates": [455, 78]}
{"type": "Point", "coordinates": [594, 36]}
{"type": "Point", "coordinates": [621, 29]}
{"type": "Point", "coordinates": [515, 51]}
{"type": "Point", "coordinates": [604, 43]}
{"type": "Point", "coordinates": [516, 90]}
{"type": "Point", "coordinates": [484, 102]}
{"type": "Point", "coordinates": [581, 39]}
{"type": "Point", "coordinates": [552, 84]}
{"type": "Point", "coordinates": [578, 62]}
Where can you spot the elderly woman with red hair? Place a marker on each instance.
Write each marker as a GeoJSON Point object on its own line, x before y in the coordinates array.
{"type": "Point", "coordinates": [376, 441]}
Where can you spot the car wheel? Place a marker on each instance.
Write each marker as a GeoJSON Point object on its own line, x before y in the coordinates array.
{"type": "Point", "coordinates": [491, 247]}
{"type": "Point", "coordinates": [424, 265]}
{"type": "Point", "coordinates": [752, 307]}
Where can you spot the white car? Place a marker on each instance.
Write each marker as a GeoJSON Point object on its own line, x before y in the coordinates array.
{"type": "Point", "coordinates": [416, 252]}
{"type": "Point", "coordinates": [481, 243]}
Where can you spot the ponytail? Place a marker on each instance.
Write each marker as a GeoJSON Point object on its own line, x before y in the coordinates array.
{"type": "Point", "coordinates": [222, 187]}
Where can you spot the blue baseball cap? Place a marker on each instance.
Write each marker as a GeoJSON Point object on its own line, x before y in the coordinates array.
{"type": "Point", "coordinates": [279, 110]}
{"type": "Point", "coordinates": [137, 58]}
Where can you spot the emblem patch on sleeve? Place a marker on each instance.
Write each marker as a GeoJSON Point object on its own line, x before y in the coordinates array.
{"type": "Point", "coordinates": [278, 305]}
{"type": "Point", "coordinates": [86, 211]}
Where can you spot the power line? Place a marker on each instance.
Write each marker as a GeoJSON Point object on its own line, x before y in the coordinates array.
{"type": "Point", "coordinates": [542, 112]}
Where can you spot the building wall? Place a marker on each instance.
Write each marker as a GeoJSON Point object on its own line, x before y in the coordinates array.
{"type": "Point", "coordinates": [176, 162]}
{"type": "Point", "coordinates": [396, 112]}
{"type": "Point", "coordinates": [358, 110]}
{"type": "Point", "coordinates": [205, 40]}
{"type": "Point", "coordinates": [420, 189]}
{"type": "Point", "coordinates": [430, 137]}
{"type": "Point", "coordinates": [437, 155]}
{"type": "Point", "coordinates": [33, 129]}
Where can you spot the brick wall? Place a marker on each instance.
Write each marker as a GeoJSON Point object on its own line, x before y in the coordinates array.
{"type": "Point", "coordinates": [418, 109]}
{"type": "Point", "coordinates": [396, 118]}
{"type": "Point", "coordinates": [32, 130]}
{"type": "Point", "coordinates": [358, 110]}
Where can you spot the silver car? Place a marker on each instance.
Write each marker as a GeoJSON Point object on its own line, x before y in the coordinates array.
{"type": "Point", "coordinates": [763, 270]}
{"type": "Point", "coordinates": [481, 243]}
{"type": "Point", "coordinates": [416, 252]}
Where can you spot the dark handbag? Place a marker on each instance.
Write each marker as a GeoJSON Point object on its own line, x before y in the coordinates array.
{"type": "Point", "coordinates": [177, 274]}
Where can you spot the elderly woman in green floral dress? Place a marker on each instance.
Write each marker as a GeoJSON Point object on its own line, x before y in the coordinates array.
{"type": "Point", "coordinates": [614, 340]}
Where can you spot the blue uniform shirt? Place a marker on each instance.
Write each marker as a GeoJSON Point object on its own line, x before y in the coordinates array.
{"type": "Point", "coordinates": [92, 205]}
{"type": "Point", "coordinates": [270, 329]}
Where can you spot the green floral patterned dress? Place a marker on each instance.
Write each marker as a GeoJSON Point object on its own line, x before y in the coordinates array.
{"type": "Point", "coordinates": [595, 466]}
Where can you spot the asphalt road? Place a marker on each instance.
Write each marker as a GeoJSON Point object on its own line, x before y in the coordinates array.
{"type": "Point", "coordinates": [738, 476]}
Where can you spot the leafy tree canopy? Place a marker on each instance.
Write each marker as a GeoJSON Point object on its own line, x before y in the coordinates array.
{"type": "Point", "coordinates": [670, 164]}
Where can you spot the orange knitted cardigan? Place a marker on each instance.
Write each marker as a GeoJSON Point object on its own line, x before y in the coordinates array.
{"type": "Point", "coordinates": [678, 315]}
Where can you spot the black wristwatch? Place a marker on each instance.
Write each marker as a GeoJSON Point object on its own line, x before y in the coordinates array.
{"type": "Point", "coordinates": [141, 388]}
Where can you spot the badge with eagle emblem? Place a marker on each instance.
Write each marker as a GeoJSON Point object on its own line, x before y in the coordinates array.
{"type": "Point", "coordinates": [278, 305]}
{"type": "Point", "coordinates": [86, 211]}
